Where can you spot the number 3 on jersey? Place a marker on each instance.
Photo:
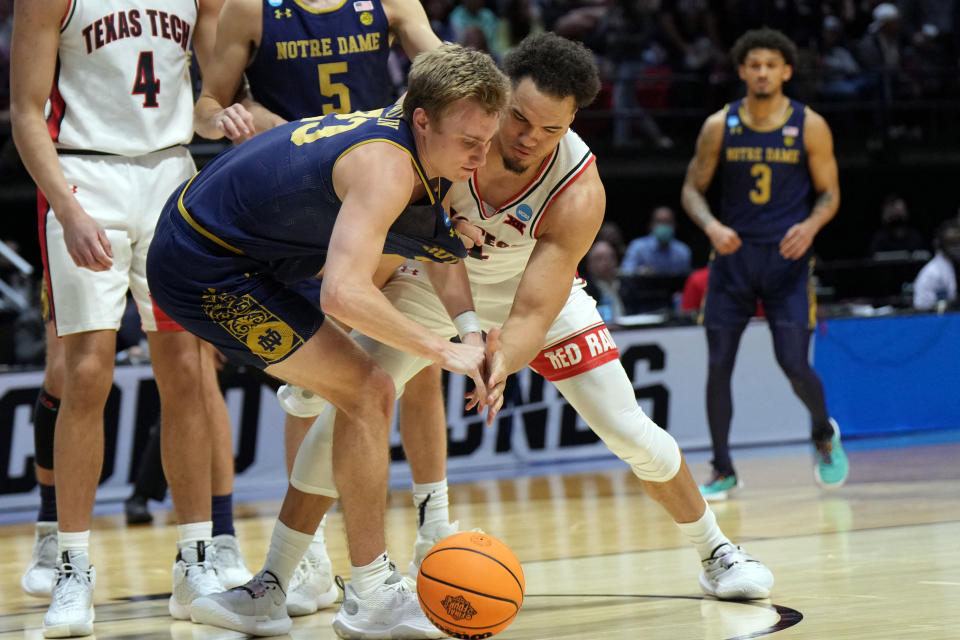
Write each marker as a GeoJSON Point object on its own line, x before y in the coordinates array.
{"type": "Point", "coordinates": [763, 174]}
{"type": "Point", "coordinates": [146, 83]}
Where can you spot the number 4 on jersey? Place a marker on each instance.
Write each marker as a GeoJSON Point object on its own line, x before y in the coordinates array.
{"type": "Point", "coordinates": [146, 84]}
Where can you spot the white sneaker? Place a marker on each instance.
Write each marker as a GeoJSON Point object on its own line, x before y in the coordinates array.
{"type": "Point", "coordinates": [194, 575]}
{"type": "Point", "coordinates": [228, 560]}
{"type": "Point", "coordinates": [390, 612]}
{"type": "Point", "coordinates": [427, 536]}
{"type": "Point", "coordinates": [255, 608]}
{"type": "Point", "coordinates": [71, 603]}
{"type": "Point", "coordinates": [311, 587]}
{"type": "Point", "coordinates": [300, 402]}
{"type": "Point", "coordinates": [730, 573]}
{"type": "Point", "coordinates": [40, 576]}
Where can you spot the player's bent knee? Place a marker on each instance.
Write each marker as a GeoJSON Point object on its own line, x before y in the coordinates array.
{"type": "Point", "coordinates": [373, 401]}
{"type": "Point", "coordinates": [660, 459]}
{"type": "Point", "coordinates": [650, 451]}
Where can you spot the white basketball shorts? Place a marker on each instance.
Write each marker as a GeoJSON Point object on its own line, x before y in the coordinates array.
{"type": "Point", "coordinates": [125, 195]}
{"type": "Point", "coordinates": [577, 341]}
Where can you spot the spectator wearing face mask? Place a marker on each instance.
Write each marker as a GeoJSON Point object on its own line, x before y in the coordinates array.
{"type": "Point", "coordinates": [938, 279]}
{"type": "Point", "coordinates": [896, 234]}
{"type": "Point", "coordinates": [659, 252]}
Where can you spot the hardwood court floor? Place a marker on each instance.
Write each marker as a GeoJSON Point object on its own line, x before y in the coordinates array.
{"type": "Point", "coordinates": [879, 558]}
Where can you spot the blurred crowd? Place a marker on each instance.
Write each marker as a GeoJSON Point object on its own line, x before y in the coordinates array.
{"type": "Point", "coordinates": [656, 273]}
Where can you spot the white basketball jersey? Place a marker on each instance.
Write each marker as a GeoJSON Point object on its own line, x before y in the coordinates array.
{"type": "Point", "coordinates": [122, 84]}
{"type": "Point", "coordinates": [510, 232]}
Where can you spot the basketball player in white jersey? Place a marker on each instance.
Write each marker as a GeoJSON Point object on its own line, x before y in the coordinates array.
{"type": "Point", "coordinates": [534, 209]}
{"type": "Point", "coordinates": [107, 153]}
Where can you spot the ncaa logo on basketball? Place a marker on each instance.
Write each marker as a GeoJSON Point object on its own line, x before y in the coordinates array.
{"type": "Point", "coordinates": [524, 212]}
{"type": "Point", "coordinates": [458, 608]}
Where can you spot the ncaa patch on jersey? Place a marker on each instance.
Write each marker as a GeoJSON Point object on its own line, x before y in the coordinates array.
{"type": "Point", "coordinates": [733, 121]}
{"type": "Point", "coordinates": [362, 5]}
{"type": "Point", "coordinates": [275, 3]}
{"type": "Point", "coordinates": [524, 212]}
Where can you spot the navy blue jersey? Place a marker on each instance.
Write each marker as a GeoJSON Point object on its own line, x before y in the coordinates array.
{"type": "Point", "coordinates": [766, 181]}
{"type": "Point", "coordinates": [272, 198]}
{"type": "Point", "coordinates": [314, 62]}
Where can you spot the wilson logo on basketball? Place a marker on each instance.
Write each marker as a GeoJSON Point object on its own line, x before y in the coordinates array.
{"type": "Point", "coordinates": [458, 608]}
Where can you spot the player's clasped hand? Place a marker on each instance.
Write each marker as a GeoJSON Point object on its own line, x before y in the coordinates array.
{"type": "Point", "coordinates": [724, 239]}
{"type": "Point", "coordinates": [236, 123]}
{"type": "Point", "coordinates": [796, 241]}
{"type": "Point", "coordinates": [87, 242]}
{"type": "Point", "coordinates": [467, 359]}
{"type": "Point", "coordinates": [496, 379]}
{"type": "Point", "coordinates": [470, 234]}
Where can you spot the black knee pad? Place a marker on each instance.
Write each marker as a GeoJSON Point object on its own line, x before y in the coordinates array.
{"type": "Point", "coordinates": [44, 420]}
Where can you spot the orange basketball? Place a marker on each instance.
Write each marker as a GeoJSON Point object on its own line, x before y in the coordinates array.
{"type": "Point", "coordinates": [470, 585]}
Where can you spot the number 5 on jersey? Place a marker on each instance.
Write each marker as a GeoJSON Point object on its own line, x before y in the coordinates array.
{"type": "Point", "coordinates": [146, 83]}
{"type": "Point", "coordinates": [334, 89]}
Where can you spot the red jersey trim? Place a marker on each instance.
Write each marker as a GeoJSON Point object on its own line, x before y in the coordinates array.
{"type": "Point", "coordinates": [536, 227]}
{"type": "Point", "coordinates": [544, 167]}
{"type": "Point", "coordinates": [58, 107]}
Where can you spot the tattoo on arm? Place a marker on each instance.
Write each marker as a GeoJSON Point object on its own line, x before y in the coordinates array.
{"type": "Point", "coordinates": [823, 203]}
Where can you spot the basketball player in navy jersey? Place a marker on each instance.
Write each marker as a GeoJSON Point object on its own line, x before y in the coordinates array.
{"type": "Point", "coordinates": [774, 153]}
{"type": "Point", "coordinates": [332, 193]}
{"type": "Point", "coordinates": [341, 67]}
{"type": "Point", "coordinates": [304, 58]}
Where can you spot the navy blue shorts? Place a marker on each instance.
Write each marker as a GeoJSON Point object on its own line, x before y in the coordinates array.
{"type": "Point", "coordinates": [227, 299]}
{"type": "Point", "coordinates": [757, 271]}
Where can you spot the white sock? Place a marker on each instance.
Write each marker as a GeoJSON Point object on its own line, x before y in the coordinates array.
{"type": "Point", "coordinates": [318, 546]}
{"type": "Point", "coordinates": [287, 546]}
{"type": "Point", "coordinates": [188, 535]}
{"type": "Point", "coordinates": [368, 577]}
{"type": "Point", "coordinates": [432, 502]}
{"type": "Point", "coordinates": [705, 534]}
{"type": "Point", "coordinates": [192, 532]}
{"type": "Point", "coordinates": [77, 543]}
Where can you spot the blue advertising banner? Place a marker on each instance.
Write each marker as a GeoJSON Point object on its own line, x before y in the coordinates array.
{"type": "Point", "coordinates": [891, 374]}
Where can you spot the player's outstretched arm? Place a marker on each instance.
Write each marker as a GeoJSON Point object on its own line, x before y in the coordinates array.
{"type": "Point", "coordinates": [452, 285]}
{"type": "Point", "coordinates": [409, 22]}
{"type": "Point", "coordinates": [818, 141]}
{"type": "Point", "coordinates": [700, 173]}
{"type": "Point", "coordinates": [216, 114]}
{"type": "Point", "coordinates": [375, 182]}
{"type": "Point", "coordinates": [36, 39]}
{"type": "Point", "coordinates": [566, 234]}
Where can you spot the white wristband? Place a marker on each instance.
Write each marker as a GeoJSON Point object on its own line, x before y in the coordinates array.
{"type": "Point", "coordinates": [467, 322]}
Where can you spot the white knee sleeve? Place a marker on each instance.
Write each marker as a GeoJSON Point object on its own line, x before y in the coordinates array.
{"type": "Point", "coordinates": [313, 466]}
{"type": "Point", "coordinates": [606, 400]}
